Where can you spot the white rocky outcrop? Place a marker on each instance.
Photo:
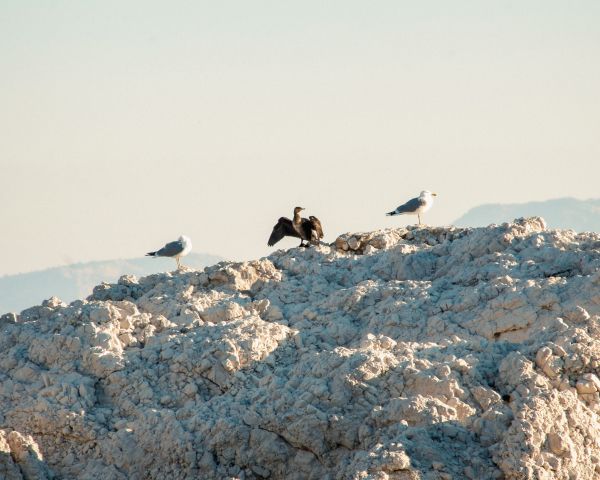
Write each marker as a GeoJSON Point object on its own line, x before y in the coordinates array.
{"type": "Point", "coordinates": [412, 353]}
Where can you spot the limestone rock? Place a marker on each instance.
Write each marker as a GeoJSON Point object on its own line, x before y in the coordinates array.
{"type": "Point", "coordinates": [417, 352]}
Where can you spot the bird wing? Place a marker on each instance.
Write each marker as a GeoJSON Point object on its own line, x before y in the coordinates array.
{"type": "Point", "coordinates": [316, 225]}
{"type": "Point", "coordinates": [170, 249]}
{"type": "Point", "coordinates": [283, 228]}
{"type": "Point", "coordinates": [411, 206]}
{"type": "Point", "coordinates": [307, 229]}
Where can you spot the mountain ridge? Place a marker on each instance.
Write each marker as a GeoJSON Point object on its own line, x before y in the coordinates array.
{"type": "Point", "coordinates": [562, 213]}
{"type": "Point", "coordinates": [69, 282]}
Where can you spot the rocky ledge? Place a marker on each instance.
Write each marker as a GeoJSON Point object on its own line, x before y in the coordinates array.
{"type": "Point", "coordinates": [414, 353]}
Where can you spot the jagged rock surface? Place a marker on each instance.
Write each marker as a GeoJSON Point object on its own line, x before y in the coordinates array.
{"type": "Point", "coordinates": [418, 353]}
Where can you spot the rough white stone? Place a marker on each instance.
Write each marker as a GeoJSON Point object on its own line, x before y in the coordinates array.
{"type": "Point", "coordinates": [419, 352]}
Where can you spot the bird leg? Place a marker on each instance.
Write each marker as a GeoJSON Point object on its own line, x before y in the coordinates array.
{"type": "Point", "coordinates": [419, 217]}
{"type": "Point", "coordinates": [178, 264]}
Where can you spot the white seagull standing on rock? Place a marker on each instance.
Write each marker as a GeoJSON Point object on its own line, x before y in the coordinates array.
{"type": "Point", "coordinates": [416, 206]}
{"type": "Point", "coordinates": [177, 249]}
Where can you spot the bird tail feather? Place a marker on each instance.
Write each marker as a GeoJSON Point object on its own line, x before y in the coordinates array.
{"type": "Point", "coordinates": [391, 214]}
{"type": "Point", "coordinates": [151, 254]}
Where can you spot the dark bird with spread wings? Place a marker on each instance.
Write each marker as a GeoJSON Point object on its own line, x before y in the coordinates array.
{"type": "Point", "coordinates": [306, 229]}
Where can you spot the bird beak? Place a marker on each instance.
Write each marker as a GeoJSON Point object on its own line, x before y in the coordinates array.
{"type": "Point", "coordinates": [434, 194]}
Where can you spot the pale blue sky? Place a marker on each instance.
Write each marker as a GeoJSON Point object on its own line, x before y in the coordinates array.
{"type": "Point", "coordinates": [125, 123]}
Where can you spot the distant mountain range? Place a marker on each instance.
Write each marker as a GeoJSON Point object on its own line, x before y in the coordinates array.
{"type": "Point", "coordinates": [70, 282]}
{"type": "Point", "coordinates": [563, 213]}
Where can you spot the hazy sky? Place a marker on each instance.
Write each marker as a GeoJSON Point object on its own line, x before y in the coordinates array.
{"type": "Point", "coordinates": [126, 123]}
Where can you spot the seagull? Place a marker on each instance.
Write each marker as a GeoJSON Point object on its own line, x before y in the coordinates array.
{"type": "Point", "coordinates": [306, 229]}
{"type": "Point", "coordinates": [177, 249]}
{"type": "Point", "coordinates": [417, 205]}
